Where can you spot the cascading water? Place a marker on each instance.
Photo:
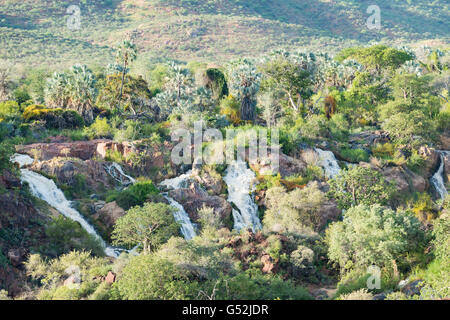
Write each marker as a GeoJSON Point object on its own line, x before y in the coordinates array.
{"type": "Point", "coordinates": [329, 163]}
{"type": "Point", "coordinates": [240, 182]}
{"type": "Point", "coordinates": [437, 180]}
{"type": "Point", "coordinates": [181, 216]}
{"type": "Point", "coordinates": [116, 171]}
{"type": "Point", "coordinates": [47, 190]}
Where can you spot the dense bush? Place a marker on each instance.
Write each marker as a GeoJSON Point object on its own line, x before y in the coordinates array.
{"type": "Point", "coordinates": [54, 118]}
{"type": "Point", "coordinates": [135, 195]}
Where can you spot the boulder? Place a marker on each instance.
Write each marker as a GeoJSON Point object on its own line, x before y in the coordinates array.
{"type": "Point", "coordinates": [110, 278]}
{"type": "Point", "coordinates": [194, 198]}
{"type": "Point", "coordinates": [213, 183]}
{"type": "Point", "coordinates": [288, 166]}
{"type": "Point", "coordinates": [72, 281]}
{"type": "Point", "coordinates": [444, 141]}
{"type": "Point", "coordinates": [109, 214]}
{"type": "Point", "coordinates": [413, 288]}
{"type": "Point", "coordinates": [268, 264]}
{"type": "Point", "coordinates": [405, 179]}
{"type": "Point", "coordinates": [432, 158]}
{"type": "Point", "coordinates": [328, 212]}
{"type": "Point", "coordinates": [447, 165]}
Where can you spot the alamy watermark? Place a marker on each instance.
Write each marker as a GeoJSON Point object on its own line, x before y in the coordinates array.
{"type": "Point", "coordinates": [374, 280]}
{"type": "Point", "coordinates": [374, 21]}
{"type": "Point", "coordinates": [209, 146]}
{"type": "Point", "coordinates": [74, 18]}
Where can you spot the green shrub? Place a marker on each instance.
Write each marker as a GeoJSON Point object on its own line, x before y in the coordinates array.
{"type": "Point", "coordinates": [54, 118]}
{"type": "Point", "coordinates": [354, 155]}
{"type": "Point", "coordinates": [9, 109]}
{"type": "Point", "coordinates": [65, 235]}
{"type": "Point", "coordinates": [383, 151]}
{"type": "Point", "coordinates": [135, 195]}
{"type": "Point", "coordinates": [99, 129]}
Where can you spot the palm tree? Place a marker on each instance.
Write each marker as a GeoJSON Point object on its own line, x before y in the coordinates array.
{"type": "Point", "coordinates": [82, 91]}
{"type": "Point", "coordinates": [56, 90]}
{"type": "Point", "coordinates": [126, 53]}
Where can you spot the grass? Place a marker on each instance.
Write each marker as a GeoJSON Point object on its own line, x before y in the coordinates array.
{"type": "Point", "coordinates": [35, 32]}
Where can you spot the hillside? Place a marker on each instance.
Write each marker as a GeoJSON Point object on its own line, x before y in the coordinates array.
{"type": "Point", "coordinates": [35, 32]}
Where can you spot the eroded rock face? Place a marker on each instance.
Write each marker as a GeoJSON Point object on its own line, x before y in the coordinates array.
{"type": "Point", "coordinates": [447, 166]}
{"type": "Point", "coordinates": [83, 150]}
{"type": "Point", "coordinates": [288, 166]}
{"type": "Point", "coordinates": [405, 180]}
{"type": "Point", "coordinates": [142, 157]}
{"type": "Point", "coordinates": [432, 158]}
{"type": "Point", "coordinates": [213, 184]}
{"type": "Point", "coordinates": [109, 214]}
{"type": "Point", "coordinates": [444, 141]}
{"type": "Point", "coordinates": [65, 170]}
{"type": "Point", "coordinates": [194, 198]}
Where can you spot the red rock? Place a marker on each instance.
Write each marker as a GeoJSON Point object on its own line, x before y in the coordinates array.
{"type": "Point", "coordinates": [269, 265]}
{"type": "Point", "coordinates": [110, 278]}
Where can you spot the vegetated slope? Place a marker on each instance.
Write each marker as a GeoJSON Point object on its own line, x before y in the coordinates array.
{"type": "Point", "coordinates": [35, 31]}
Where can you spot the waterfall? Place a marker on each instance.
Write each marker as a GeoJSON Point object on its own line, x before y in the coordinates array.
{"type": "Point", "coordinates": [437, 180]}
{"type": "Point", "coordinates": [116, 171]}
{"type": "Point", "coordinates": [328, 162]}
{"type": "Point", "coordinates": [47, 190]}
{"type": "Point", "coordinates": [180, 215]}
{"type": "Point", "coordinates": [240, 182]}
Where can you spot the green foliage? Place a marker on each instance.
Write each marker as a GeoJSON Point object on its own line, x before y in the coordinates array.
{"type": "Point", "coordinates": [147, 277]}
{"type": "Point", "coordinates": [65, 235]}
{"type": "Point", "coordinates": [9, 109]}
{"type": "Point", "coordinates": [360, 185]}
{"type": "Point", "coordinates": [99, 129]}
{"type": "Point", "coordinates": [54, 118]}
{"type": "Point", "coordinates": [216, 83]}
{"type": "Point", "coordinates": [377, 57]}
{"type": "Point", "coordinates": [296, 212]}
{"type": "Point", "coordinates": [135, 195]}
{"type": "Point", "coordinates": [354, 155]}
{"type": "Point", "coordinates": [373, 235]}
{"type": "Point", "coordinates": [383, 151]}
{"type": "Point", "coordinates": [149, 226]}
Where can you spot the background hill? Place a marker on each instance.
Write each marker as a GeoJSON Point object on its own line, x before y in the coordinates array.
{"type": "Point", "coordinates": [34, 32]}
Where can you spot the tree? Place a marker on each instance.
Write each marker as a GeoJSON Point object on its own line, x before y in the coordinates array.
{"type": "Point", "coordinates": [377, 58]}
{"type": "Point", "coordinates": [287, 76]}
{"type": "Point", "coordinates": [150, 226]}
{"type": "Point", "coordinates": [373, 235]}
{"type": "Point", "coordinates": [126, 53]}
{"type": "Point", "coordinates": [245, 82]}
{"type": "Point", "coordinates": [74, 89]}
{"type": "Point", "coordinates": [148, 277]}
{"type": "Point", "coordinates": [295, 212]}
{"type": "Point", "coordinates": [135, 97]}
{"type": "Point", "coordinates": [360, 185]}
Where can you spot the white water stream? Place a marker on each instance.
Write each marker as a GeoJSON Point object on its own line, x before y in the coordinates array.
{"type": "Point", "coordinates": [241, 182]}
{"type": "Point", "coordinates": [181, 216]}
{"type": "Point", "coordinates": [329, 163]}
{"type": "Point", "coordinates": [438, 178]}
{"type": "Point", "coordinates": [47, 190]}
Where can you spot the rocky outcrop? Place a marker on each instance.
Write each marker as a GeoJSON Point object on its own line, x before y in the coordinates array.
{"type": "Point", "coordinates": [288, 166]}
{"type": "Point", "coordinates": [65, 170]}
{"type": "Point", "coordinates": [211, 181]}
{"type": "Point", "coordinates": [194, 198]}
{"type": "Point", "coordinates": [444, 141]}
{"type": "Point", "coordinates": [144, 157]}
{"type": "Point", "coordinates": [447, 166]}
{"type": "Point", "coordinates": [328, 212]}
{"type": "Point", "coordinates": [108, 214]}
{"type": "Point", "coordinates": [432, 158]}
{"type": "Point", "coordinates": [83, 150]}
{"type": "Point", "coordinates": [365, 140]}
{"type": "Point", "coordinates": [404, 179]}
